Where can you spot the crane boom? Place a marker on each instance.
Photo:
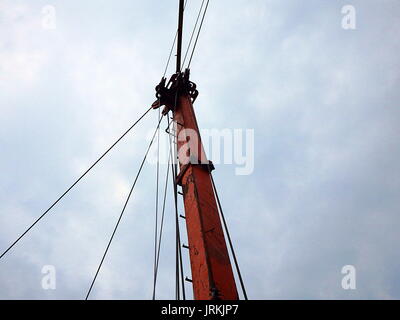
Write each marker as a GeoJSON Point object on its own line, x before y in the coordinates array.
{"type": "Point", "coordinates": [212, 273]}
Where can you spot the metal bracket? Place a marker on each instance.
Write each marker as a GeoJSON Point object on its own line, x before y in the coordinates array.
{"type": "Point", "coordinates": [205, 166]}
{"type": "Point", "coordinates": [167, 93]}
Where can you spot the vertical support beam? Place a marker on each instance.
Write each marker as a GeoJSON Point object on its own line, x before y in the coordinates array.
{"type": "Point", "coordinates": [180, 31]}
{"type": "Point", "coordinates": [212, 273]}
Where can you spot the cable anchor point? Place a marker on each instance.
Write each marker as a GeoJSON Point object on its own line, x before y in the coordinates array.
{"type": "Point", "coordinates": [166, 93]}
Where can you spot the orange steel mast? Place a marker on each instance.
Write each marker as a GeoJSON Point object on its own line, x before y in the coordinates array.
{"type": "Point", "coordinates": [212, 273]}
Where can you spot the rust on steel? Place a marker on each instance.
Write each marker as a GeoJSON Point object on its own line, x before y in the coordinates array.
{"type": "Point", "coordinates": [212, 273]}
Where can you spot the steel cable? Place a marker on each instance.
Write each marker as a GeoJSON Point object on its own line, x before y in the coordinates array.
{"type": "Point", "coordinates": [73, 185]}
{"type": "Point", "coordinates": [229, 239]}
{"type": "Point", "coordinates": [198, 33]}
{"type": "Point", "coordinates": [123, 210]}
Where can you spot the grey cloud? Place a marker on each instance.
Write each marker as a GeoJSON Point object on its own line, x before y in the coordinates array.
{"type": "Point", "coordinates": [323, 103]}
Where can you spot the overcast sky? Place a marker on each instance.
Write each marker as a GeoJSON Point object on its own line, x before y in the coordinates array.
{"type": "Point", "coordinates": [323, 103]}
